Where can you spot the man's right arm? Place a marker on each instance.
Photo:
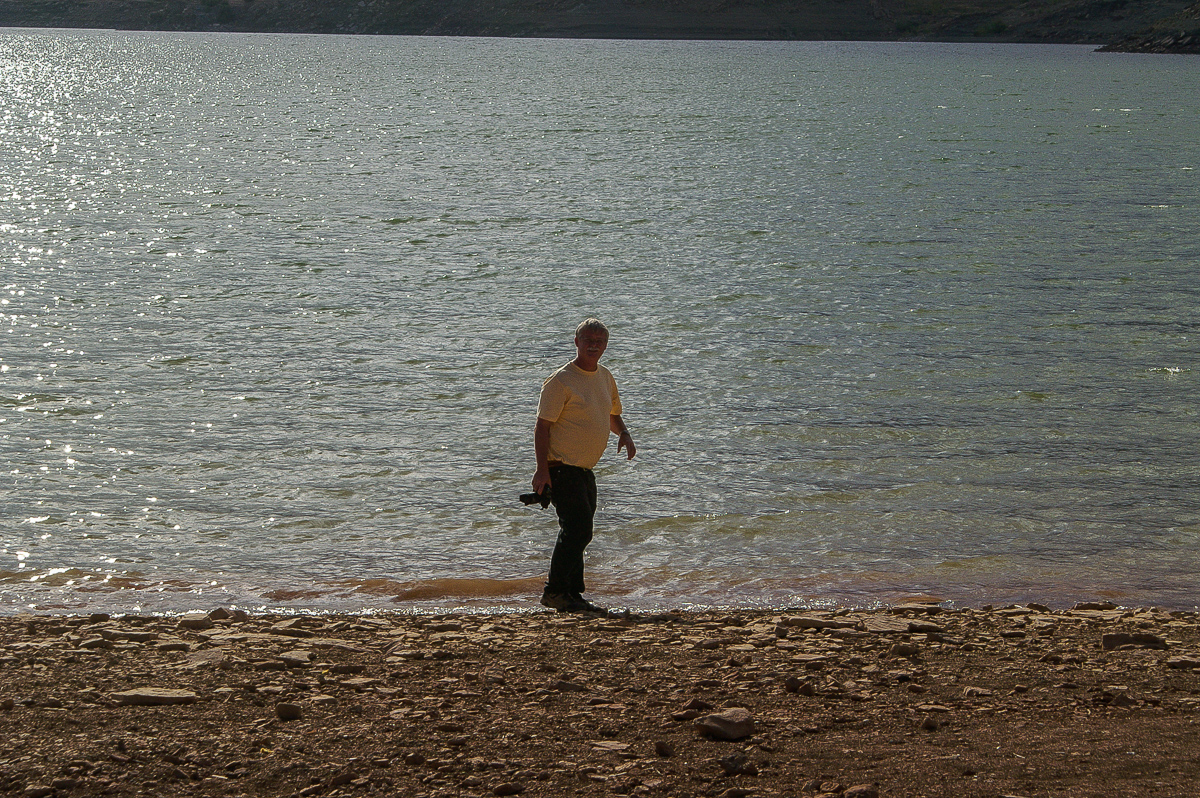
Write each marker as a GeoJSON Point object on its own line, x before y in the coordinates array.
{"type": "Point", "coordinates": [541, 451]}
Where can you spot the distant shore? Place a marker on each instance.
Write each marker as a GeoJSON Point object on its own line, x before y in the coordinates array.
{"type": "Point", "coordinates": [912, 700]}
{"type": "Point", "coordinates": [1132, 25]}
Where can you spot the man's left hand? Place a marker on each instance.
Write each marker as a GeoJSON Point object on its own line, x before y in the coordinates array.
{"type": "Point", "coordinates": [626, 442]}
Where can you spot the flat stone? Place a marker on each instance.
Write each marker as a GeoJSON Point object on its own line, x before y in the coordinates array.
{"type": "Point", "coordinates": [885, 624]}
{"type": "Point", "coordinates": [154, 696]}
{"type": "Point", "coordinates": [817, 622]}
{"type": "Point", "coordinates": [205, 656]}
{"type": "Point", "coordinates": [734, 723]}
{"type": "Point", "coordinates": [335, 643]}
{"type": "Point", "coordinates": [1099, 615]}
{"type": "Point", "coordinates": [736, 792]}
{"type": "Point", "coordinates": [1184, 662]}
{"type": "Point", "coordinates": [299, 658]}
{"type": "Point", "coordinates": [1137, 639]}
{"type": "Point", "coordinates": [291, 628]}
{"type": "Point", "coordinates": [93, 643]}
{"type": "Point", "coordinates": [222, 637]}
{"type": "Point", "coordinates": [196, 621]}
{"type": "Point", "coordinates": [925, 628]}
{"type": "Point", "coordinates": [811, 661]}
{"type": "Point", "coordinates": [360, 683]}
{"type": "Point", "coordinates": [1095, 605]}
{"type": "Point", "coordinates": [564, 686]}
{"type": "Point", "coordinates": [930, 608]}
{"type": "Point", "coordinates": [128, 636]}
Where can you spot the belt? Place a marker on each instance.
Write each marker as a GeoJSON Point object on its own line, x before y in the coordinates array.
{"type": "Point", "coordinates": [561, 464]}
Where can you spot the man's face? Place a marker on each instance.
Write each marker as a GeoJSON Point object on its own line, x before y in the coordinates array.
{"type": "Point", "coordinates": [589, 346]}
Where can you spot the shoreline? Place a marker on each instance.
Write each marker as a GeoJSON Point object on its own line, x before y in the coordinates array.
{"type": "Point", "coordinates": [909, 700]}
{"type": "Point", "coordinates": [436, 603]}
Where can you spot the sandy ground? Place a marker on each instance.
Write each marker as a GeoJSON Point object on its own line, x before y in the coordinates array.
{"type": "Point", "coordinates": [909, 701]}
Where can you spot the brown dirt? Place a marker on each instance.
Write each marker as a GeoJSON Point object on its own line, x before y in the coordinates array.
{"type": "Point", "coordinates": [903, 702]}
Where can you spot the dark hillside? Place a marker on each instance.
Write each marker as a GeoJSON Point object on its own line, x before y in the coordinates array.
{"type": "Point", "coordinates": [1122, 23]}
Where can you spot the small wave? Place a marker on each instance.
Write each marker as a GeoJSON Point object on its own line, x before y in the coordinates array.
{"type": "Point", "coordinates": [294, 595]}
{"type": "Point", "coordinates": [458, 588]}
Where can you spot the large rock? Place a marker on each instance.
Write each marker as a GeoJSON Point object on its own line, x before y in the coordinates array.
{"type": "Point", "coordinates": [734, 723]}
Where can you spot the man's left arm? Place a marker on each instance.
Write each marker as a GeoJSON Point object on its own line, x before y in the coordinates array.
{"type": "Point", "coordinates": [624, 439]}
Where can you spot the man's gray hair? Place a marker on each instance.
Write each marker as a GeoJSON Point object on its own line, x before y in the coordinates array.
{"type": "Point", "coordinates": [593, 324]}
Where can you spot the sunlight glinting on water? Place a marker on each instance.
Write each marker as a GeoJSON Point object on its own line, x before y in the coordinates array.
{"type": "Point", "coordinates": [887, 319]}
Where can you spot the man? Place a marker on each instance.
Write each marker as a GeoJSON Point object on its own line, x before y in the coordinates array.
{"type": "Point", "coordinates": [579, 406]}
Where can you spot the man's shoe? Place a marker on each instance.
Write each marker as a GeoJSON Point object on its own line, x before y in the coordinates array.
{"type": "Point", "coordinates": [558, 601]}
{"type": "Point", "coordinates": [580, 604]}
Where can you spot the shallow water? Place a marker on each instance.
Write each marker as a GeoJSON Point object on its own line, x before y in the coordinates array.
{"type": "Point", "coordinates": [887, 319]}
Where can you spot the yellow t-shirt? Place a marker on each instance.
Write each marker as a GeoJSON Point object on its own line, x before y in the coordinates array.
{"type": "Point", "coordinates": [578, 404]}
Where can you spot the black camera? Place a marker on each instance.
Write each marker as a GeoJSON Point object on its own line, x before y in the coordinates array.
{"type": "Point", "coordinates": [542, 498]}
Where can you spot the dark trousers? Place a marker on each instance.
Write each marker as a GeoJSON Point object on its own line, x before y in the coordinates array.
{"type": "Point", "coordinates": [573, 491]}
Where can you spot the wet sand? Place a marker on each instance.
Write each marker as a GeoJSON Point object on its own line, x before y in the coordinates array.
{"type": "Point", "coordinates": [909, 701]}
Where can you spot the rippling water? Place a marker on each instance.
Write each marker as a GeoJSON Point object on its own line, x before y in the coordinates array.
{"type": "Point", "coordinates": [887, 319]}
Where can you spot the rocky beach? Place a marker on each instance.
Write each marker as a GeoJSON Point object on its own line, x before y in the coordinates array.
{"type": "Point", "coordinates": [913, 700]}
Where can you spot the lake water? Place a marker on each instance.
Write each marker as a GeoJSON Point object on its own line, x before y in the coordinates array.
{"type": "Point", "coordinates": [888, 320]}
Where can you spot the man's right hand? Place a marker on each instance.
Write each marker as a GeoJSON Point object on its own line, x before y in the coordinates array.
{"type": "Point", "coordinates": [541, 480]}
